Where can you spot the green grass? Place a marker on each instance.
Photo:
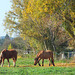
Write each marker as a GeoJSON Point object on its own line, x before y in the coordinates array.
{"type": "Point", "coordinates": [24, 66]}
{"type": "Point", "coordinates": [37, 71]}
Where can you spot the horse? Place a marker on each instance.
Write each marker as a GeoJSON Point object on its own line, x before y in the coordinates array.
{"type": "Point", "coordinates": [48, 54]}
{"type": "Point", "coordinates": [7, 54]}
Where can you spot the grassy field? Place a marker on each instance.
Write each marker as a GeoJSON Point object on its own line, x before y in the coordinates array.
{"type": "Point", "coordinates": [24, 66]}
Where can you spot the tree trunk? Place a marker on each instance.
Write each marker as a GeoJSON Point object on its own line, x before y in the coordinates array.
{"type": "Point", "coordinates": [45, 45]}
{"type": "Point", "coordinates": [52, 38]}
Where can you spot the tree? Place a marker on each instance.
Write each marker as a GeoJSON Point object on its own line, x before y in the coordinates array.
{"type": "Point", "coordinates": [7, 37]}
{"type": "Point", "coordinates": [39, 19]}
{"type": "Point", "coordinates": [63, 8]}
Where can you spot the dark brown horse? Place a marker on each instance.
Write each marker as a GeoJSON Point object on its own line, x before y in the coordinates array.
{"type": "Point", "coordinates": [7, 54]}
{"type": "Point", "coordinates": [48, 54]}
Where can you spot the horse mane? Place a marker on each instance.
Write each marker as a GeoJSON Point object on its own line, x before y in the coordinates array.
{"type": "Point", "coordinates": [40, 53]}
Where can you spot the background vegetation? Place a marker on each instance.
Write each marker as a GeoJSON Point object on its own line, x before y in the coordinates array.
{"type": "Point", "coordinates": [45, 24]}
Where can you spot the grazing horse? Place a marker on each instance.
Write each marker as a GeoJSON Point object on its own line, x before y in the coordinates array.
{"type": "Point", "coordinates": [44, 55]}
{"type": "Point", "coordinates": [6, 54]}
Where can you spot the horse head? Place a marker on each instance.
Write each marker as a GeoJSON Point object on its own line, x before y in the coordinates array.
{"type": "Point", "coordinates": [35, 60]}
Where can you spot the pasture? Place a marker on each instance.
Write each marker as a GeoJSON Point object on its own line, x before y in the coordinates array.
{"type": "Point", "coordinates": [24, 66]}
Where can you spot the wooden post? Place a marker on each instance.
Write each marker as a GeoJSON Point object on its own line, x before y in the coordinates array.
{"type": "Point", "coordinates": [63, 56]}
{"type": "Point", "coordinates": [68, 55]}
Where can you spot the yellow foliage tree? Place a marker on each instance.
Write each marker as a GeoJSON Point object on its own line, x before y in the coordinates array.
{"type": "Point", "coordinates": [38, 18]}
{"type": "Point", "coordinates": [10, 46]}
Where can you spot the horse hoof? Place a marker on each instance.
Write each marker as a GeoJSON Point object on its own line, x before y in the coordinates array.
{"type": "Point", "coordinates": [39, 65]}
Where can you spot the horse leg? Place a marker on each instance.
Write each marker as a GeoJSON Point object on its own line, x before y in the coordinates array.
{"type": "Point", "coordinates": [39, 64]}
{"type": "Point", "coordinates": [42, 62]}
{"type": "Point", "coordinates": [14, 62]}
{"type": "Point", "coordinates": [49, 61]}
{"type": "Point", "coordinates": [53, 62]}
{"type": "Point", "coordinates": [8, 63]}
{"type": "Point", "coordinates": [2, 62]}
{"type": "Point", "coordinates": [38, 61]}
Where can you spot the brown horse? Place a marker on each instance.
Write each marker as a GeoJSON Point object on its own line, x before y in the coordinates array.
{"type": "Point", "coordinates": [7, 54]}
{"type": "Point", "coordinates": [44, 55]}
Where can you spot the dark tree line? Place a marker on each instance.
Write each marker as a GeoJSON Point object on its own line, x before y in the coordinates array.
{"type": "Point", "coordinates": [16, 43]}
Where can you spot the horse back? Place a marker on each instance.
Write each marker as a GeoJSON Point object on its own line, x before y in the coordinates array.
{"type": "Point", "coordinates": [48, 53]}
{"type": "Point", "coordinates": [45, 54]}
{"type": "Point", "coordinates": [9, 53]}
